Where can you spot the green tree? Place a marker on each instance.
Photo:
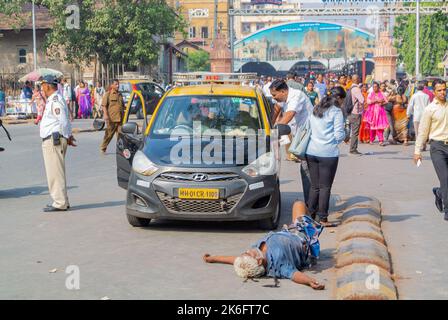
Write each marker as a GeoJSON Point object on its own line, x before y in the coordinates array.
{"type": "Point", "coordinates": [433, 42]}
{"type": "Point", "coordinates": [198, 61]}
{"type": "Point", "coordinates": [117, 31]}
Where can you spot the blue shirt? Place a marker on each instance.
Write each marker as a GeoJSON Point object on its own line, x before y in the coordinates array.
{"type": "Point", "coordinates": [2, 96]}
{"type": "Point", "coordinates": [284, 254]}
{"type": "Point", "coordinates": [326, 134]}
{"type": "Point", "coordinates": [322, 87]}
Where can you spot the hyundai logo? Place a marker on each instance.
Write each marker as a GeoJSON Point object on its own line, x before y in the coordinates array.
{"type": "Point", "coordinates": [199, 177]}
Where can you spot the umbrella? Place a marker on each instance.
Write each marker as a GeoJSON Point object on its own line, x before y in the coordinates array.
{"type": "Point", "coordinates": [41, 72]}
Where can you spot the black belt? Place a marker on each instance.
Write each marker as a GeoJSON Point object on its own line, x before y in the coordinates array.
{"type": "Point", "coordinates": [439, 141]}
{"type": "Point", "coordinates": [49, 137]}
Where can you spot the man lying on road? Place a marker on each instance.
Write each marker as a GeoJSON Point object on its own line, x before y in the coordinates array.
{"type": "Point", "coordinates": [280, 254]}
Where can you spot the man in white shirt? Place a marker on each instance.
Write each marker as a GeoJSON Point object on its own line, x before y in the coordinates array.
{"type": "Point", "coordinates": [295, 107]}
{"type": "Point", "coordinates": [56, 134]}
{"type": "Point", "coordinates": [67, 95]}
{"type": "Point", "coordinates": [266, 86]}
{"type": "Point", "coordinates": [419, 101]}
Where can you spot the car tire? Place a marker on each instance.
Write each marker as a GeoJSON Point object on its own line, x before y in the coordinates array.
{"type": "Point", "coordinates": [140, 113]}
{"type": "Point", "coordinates": [138, 222]}
{"type": "Point", "coordinates": [272, 223]}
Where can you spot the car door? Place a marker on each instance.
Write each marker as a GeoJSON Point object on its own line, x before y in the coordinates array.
{"type": "Point", "coordinates": [128, 143]}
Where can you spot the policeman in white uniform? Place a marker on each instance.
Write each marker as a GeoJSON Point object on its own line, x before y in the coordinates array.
{"type": "Point", "coordinates": [56, 134]}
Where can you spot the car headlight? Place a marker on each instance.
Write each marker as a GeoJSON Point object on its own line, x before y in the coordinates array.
{"type": "Point", "coordinates": [141, 164]}
{"type": "Point", "coordinates": [265, 165]}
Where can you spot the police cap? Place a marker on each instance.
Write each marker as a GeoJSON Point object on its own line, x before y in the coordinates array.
{"type": "Point", "coordinates": [50, 80]}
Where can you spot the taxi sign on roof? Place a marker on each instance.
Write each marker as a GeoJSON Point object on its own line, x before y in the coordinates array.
{"type": "Point", "coordinates": [207, 77]}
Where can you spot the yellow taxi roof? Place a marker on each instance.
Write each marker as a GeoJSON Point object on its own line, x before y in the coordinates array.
{"type": "Point", "coordinates": [214, 89]}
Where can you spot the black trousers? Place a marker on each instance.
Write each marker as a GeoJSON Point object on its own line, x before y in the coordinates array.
{"type": "Point", "coordinates": [391, 129]}
{"type": "Point", "coordinates": [355, 124]}
{"type": "Point", "coordinates": [439, 157]}
{"type": "Point", "coordinates": [322, 173]}
{"type": "Point", "coordinates": [306, 180]}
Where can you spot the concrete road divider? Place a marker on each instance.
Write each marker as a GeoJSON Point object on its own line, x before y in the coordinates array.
{"type": "Point", "coordinates": [362, 250]}
{"type": "Point", "coordinates": [361, 281]}
{"type": "Point", "coordinates": [362, 260]}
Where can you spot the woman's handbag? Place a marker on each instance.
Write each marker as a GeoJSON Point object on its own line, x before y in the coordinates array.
{"type": "Point", "coordinates": [301, 139]}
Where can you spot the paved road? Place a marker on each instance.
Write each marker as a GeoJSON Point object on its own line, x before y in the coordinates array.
{"type": "Point", "coordinates": [164, 261]}
{"type": "Point", "coordinates": [116, 260]}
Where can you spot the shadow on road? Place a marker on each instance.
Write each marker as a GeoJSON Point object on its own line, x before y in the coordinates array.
{"type": "Point", "coordinates": [398, 218]}
{"type": "Point", "coordinates": [27, 191]}
{"type": "Point", "coordinates": [98, 205]}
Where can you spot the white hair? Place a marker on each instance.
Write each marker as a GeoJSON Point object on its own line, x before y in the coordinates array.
{"type": "Point", "coordinates": [247, 267]}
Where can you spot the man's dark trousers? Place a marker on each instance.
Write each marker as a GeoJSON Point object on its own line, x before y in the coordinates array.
{"type": "Point", "coordinates": [439, 157]}
{"type": "Point", "coordinates": [391, 129]}
{"type": "Point", "coordinates": [355, 124]}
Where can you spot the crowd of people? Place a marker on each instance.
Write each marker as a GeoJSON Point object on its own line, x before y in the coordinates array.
{"type": "Point", "coordinates": [83, 101]}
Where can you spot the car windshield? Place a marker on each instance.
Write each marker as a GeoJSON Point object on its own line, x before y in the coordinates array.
{"type": "Point", "coordinates": [231, 116]}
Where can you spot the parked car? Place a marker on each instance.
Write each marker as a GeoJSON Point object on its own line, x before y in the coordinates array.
{"type": "Point", "coordinates": [150, 91]}
{"type": "Point", "coordinates": [158, 187]}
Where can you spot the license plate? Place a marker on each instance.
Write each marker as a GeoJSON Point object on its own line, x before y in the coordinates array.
{"type": "Point", "coordinates": [200, 194]}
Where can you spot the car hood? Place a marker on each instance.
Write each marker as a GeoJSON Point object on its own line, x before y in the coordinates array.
{"type": "Point", "coordinates": [179, 153]}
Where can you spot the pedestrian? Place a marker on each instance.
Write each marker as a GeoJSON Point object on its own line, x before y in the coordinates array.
{"type": "Point", "coordinates": [56, 134]}
{"type": "Point", "coordinates": [434, 126]}
{"type": "Point", "coordinates": [417, 105]}
{"type": "Point", "coordinates": [113, 109]}
{"type": "Point", "coordinates": [294, 108]}
{"type": "Point", "coordinates": [85, 102]}
{"type": "Point", "coordinates": [76, 96]}
{"type": "Point", "coordinates": [27, 91]}
{"type": "Point", "coordinates": [429, 91]}
{"type": "Point", "coordinates": [39, 99]}
{"type": "Point", "coordinates": [279, 255]}
{"type": "Point", "coordinates": [2, 102]}
{"type": "Point", "coordinates": [292, 82]}
{"type": "Point", "coordinates": [376, 115]}
{"type": "Point", "coordinates": [98, 98]}
{"type": "Point", "coordinates": [364, 130]}
{"type": "Point", "coordinates": [322, 154]}
{"type": "Point", "coordinates": [399, 116]}
{"type": "Point", "coordinates": [266, 86]}
{"type": "Point", "coordinates": [342, 81]}
{"type": "Point", "coordinates": [67, 95]}
{"type": "Point", "coordinates": [312, 95]}
{"type": "Point", "coordinates": [355, 118]}
{"type": "Point", "coordinates": [321, 86]}
{"type": "Point", "coordinates": [388, 92]}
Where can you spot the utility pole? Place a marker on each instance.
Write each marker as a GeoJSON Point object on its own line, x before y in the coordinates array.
{"type": "Point", "coordinates": [216, 20]}
{"type": "Point", "coordinates": [34, 39]}
{"type": "Point", "coordinates": [232, 64]}
{"type": "Point", "coordinates": [417, 41]}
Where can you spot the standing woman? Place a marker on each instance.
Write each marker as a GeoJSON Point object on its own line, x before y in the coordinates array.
{"type": "Point", "coordinates": [322, 155]}
{"type": "Point", "coordinates": [400, 117]}
{"type": "Point", "coordinates": [85, 103]}
{"type": "Point", "coordinates": [40, 101]}
{"type": "Point", "coordinates": [376, 116]}
{"type": "Point", "coordinates": [364, 130]}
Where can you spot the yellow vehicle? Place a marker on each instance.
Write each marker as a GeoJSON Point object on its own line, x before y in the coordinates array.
{"type": "Point", "coordinates": [207, 153]}
{"type": "Point", "coordinates": [150, 91]}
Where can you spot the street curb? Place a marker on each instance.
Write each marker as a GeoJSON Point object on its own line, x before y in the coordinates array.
{"type": "Point", "coordinates": [362, 260]}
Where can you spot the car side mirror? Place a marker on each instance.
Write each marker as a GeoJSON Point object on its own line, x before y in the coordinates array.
{"type": "Point", "coordinates": [283, 129]}
{"type": "Point", "coordinates": [130, 128]}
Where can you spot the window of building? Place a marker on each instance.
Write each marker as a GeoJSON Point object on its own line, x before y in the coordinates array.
{"type": "Point", "coordinates": [260, 26]}
{"type": "Point", "coordinates": [204, 32]}
{"type": "Point", "coordinates": [192, 32]}
{"type": "Point", "coordinates": [22, 55]}
{"type": "Point", "coordinates": [245, 27]}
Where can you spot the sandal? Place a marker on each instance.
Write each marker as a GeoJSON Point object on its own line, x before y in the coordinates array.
{"type": "Point", "coordinates": [382, 144]}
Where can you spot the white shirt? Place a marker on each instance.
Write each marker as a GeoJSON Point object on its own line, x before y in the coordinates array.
{"type": "Point", "coordinates": [67, 92]}
{"type": "Point", "coordinates": [419, 101]}
{"type": "Point", "coordinates": [266, 90]}
{"type": "Point", "coordinates": [55, 117]}
{"type": "Point", "coordinates": [298, 102]}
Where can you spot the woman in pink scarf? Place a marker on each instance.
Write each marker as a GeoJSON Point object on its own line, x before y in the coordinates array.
{"type": "Point", "coordinates": [375, 115]}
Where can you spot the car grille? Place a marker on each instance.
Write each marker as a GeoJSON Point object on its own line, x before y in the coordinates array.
{"type": "Point", "coordinates": [188, 176]}
{"type": "Point", "coordinates": [182, 206]}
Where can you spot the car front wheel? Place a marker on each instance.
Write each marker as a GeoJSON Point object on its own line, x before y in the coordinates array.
{"type": "Point", "coordinates": [272, 222]}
